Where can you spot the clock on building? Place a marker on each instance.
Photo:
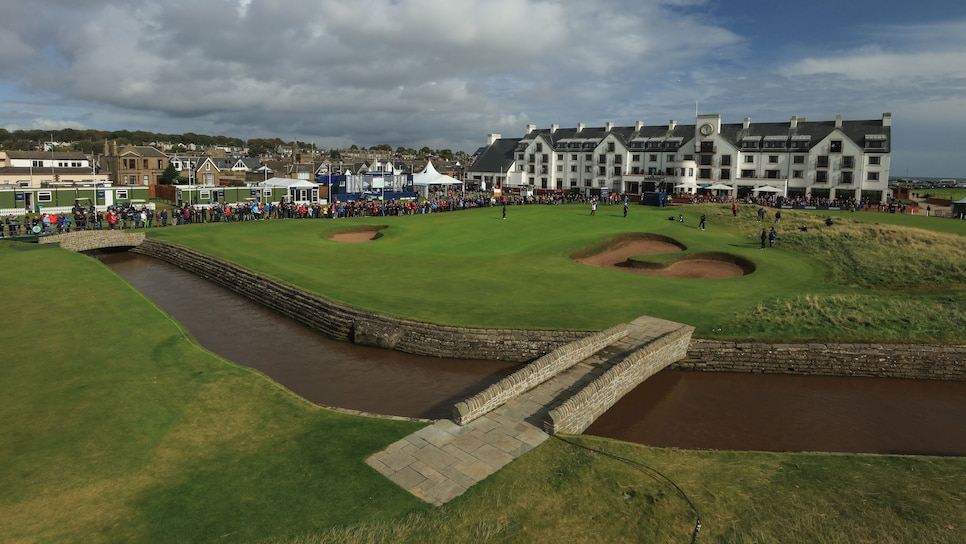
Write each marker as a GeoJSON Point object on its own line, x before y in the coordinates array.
{"type": "Point", "coordinates": [707, 129]}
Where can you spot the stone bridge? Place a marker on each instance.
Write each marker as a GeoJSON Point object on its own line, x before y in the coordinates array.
{"type": "Point", "coordinates": [89, 240]}
{"type": "Point", "coordinates": [562, 392]}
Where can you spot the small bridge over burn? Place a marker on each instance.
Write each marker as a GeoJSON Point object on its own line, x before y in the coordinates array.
{"type": "Point", "coordinates": [562, 392]}
{"type": "Point", "coordinates": [89, 240]}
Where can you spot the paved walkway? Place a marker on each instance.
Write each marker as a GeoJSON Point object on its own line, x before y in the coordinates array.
{"type": "Point", "coordinates": [440, 462]}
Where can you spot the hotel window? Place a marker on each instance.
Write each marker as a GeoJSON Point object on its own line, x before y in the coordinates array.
{"type": "Point", "coordinates": [771, 174]}
{"type": "Point", "coordinates": [573, 156]}
{"type": "Point", "coordinates": [846, 177]}
{"type": "Point", "coordinates": [725, 173]}
{"type": "Point", "coordinates": [539, 147]}
{"type": "Point", "coordinates": [823, 161]}
{"type": "Point", "coordinates": [610, 147]}
{"type": "Point", "coordinates": [704, 173]}
{"type": "Point", "coordinates": [873, 176]}
{"type": "Point", "coordinates": [773, 158]}
{"type": "Point", "coordinates": [559, 168]}
{"type": "Point", "coordinates": [835, 146]}
{"type": "Point", "coordinates": [875, 160]}
{"type": "Point", "coordinates": [619, 159]}
{"type": "Point", "coordinates": [559, 156]}
{"type": "Point", "coordinates": [587, 169]}
{"type": "Point", "coordinates": [573, 167]}
{"type": "Point", "coordinates": [543, 183]}
{"type": "Point", "coordinates": [848, 162]}
{"type": "Point", "coordinates": [798, 159]}
{"type": "Point", "coordinates": [798, 174]}
{"type": "Point", "coordinates": [726, 160]}
{"type": "Point", "coordinates": [589, 157]}
{"type": "Point", "coordinates": [602, 171]}
{"type": "Point", "coordinates": [573, 182]}
{"type": "Point", "coordinates": [652, 157]}
{"type": "Point", "coordinates": [636, 158]}
{"type": "Point", "coordinates": [747, 173]}
{"type": "Point", "coordinates": [705, 160]}
{"type": "Point", "coordinates": [749, 159]}
{"type": "Point", "coordinates": [821, 176]}
{"type": "Point", "coordinates": [670, 158]}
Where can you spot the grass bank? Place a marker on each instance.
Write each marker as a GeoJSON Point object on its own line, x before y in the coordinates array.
{"type": "Point", "coordinates": [474, 269]}
{"type": "Point", "coordinates": [118, 428]}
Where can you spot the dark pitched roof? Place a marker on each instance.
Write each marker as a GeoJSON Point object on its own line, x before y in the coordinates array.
{"type": "Point", "coordinates": [496, 157]}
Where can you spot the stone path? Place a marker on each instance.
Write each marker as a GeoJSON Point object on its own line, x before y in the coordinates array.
{"type": "Point", "coordinates": [440, 462]}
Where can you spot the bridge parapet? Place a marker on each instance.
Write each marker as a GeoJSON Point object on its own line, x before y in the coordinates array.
{"type": "Point", "coordinates": [89, 240]}
{"type": "Point", "coordinates": [578, 412]}
{"type": "Point", "coordinates": [535, 373]}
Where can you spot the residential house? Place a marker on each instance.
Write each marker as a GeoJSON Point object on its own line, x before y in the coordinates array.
{"type": "Point", "coordinates": [134, 164]}
{"type": "Point", "coordinates": [36, 169]}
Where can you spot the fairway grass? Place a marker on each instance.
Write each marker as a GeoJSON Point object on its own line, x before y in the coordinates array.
{"type": "Point", "coordinates": [472, 268]}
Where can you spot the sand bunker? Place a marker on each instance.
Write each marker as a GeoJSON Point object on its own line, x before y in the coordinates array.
{"type": "Point", "coordinates": [708, 266]}
{"type": "Point", "coordinates": [356, 236]}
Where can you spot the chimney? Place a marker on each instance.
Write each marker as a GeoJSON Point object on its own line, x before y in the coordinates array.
{"type": "Point", "coordinates": [638, 126]}
{"type": "Point", "coordinates": [492, 138]}
{"type": "Point", "coordinates": [794, 122]}
{"type": "Point", "coordinates": [747, 123]}
{"type": "Point", "coordinates": [672, 124]}
{"type": "Point", "coordinates": [554, 127]}
{"type": "Point", "coordinates": [531, 128]}
{"type": "Point", "coordinates": [838, 120]}
{"type": "Point", "coordinates": [608, 126]}
{"type": "Point", "coordinates": [580, 127]}
{"type": "Point", "coordinates": [887, 119]}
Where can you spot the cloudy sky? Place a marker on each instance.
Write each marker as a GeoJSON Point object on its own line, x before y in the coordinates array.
{"type": "Point", "coordinates": [445, 73]}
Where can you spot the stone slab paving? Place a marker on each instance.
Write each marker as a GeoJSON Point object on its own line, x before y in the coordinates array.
{"type": "Point", "coordinates": [441, 461]}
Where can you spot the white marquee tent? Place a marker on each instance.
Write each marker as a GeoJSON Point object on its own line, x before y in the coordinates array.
{"type": "Point", "coordinates": [429, 176]}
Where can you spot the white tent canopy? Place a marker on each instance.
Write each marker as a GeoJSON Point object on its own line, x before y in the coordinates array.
{"type": "Point", "coordinates": [429, 176]}
{"type": "Point", "coordinates": [720, 187]}
{"type": "Point", "coordinates": [768, 189]}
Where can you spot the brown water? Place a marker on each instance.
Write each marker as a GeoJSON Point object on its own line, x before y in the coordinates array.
{"type": "Point", "coordinates": [322, 370]}
{"type": "Point", "coordinates": [737, 411]}
{"type": "Point", "coordinates": [675, 409]}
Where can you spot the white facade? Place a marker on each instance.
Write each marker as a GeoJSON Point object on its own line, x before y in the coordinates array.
{"type": "Point", "coordinates": [825, 159]}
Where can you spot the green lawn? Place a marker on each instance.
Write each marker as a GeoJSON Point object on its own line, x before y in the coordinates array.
{"type": "Point", "coordinates": [118, 428]}
{"type": "Point", "coordinates": [472, 268]}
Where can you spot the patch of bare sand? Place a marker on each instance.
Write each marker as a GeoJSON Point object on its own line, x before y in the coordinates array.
{"type": "Point", "coordinates": [695, 269]}
{"type": "Point", "coordinates": [355, 237]}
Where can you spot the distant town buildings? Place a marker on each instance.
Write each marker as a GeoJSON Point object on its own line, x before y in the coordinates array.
{"type": "Point", "coordinates": [834, 159]}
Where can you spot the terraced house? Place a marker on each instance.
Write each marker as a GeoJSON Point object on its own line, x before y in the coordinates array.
{"type": "Point", "coordinates": [831, 159]}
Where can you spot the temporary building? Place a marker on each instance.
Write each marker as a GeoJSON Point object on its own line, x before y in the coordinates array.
{"type": "Point", "coordinates": [295, 190]}
{"type": "Point", "coordinates": [430, 176]}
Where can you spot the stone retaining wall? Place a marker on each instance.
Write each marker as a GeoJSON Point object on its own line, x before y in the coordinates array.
{"type": "Point", "coordinates": [89, 240]}
{"type": "Point", "coordinates": [578, 412]}
{"type": "Point", "coordinates": [358, 326]}
{"type": "Point", "coordinates": [906, 361]}
{"type": "Point", "coordinates": [535, 373]}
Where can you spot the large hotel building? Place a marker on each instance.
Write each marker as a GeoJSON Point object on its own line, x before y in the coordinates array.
{"type": "Point", "coordinates": [834, 159]}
